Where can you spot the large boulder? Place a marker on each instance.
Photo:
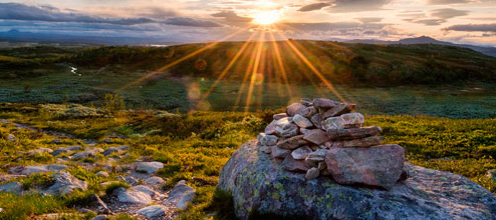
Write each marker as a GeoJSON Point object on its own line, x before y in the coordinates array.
{"type": "Point", "coordinates": [259, 184]}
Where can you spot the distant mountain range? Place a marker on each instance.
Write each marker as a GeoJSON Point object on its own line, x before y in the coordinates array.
{"type": "Point", "coordinates": [491, 51]}
{"type": "Point", "coordinates": [18, 36]}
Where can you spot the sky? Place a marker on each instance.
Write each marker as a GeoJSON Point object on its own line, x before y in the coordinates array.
{"type": "Point", "coordinates": [458, 21]}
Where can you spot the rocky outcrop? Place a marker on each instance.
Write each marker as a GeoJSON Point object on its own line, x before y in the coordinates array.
{"type": "Point", "coordinates": [65, 183]}
{"type": "Point", "coordinates": [181, 195]}
{"type": "Point", "coordinates": [259, 183]}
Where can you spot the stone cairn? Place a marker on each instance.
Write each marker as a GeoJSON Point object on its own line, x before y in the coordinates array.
{"type": "Point", "coordinates": [326, 138]}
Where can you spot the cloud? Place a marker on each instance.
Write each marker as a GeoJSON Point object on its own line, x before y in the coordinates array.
{"type": "Point", "coordinates": [231, 16]}
{"type": "Point", "coordinates": [357, 5]}
{"type": "Point", "coordinates": [21, 12]}
{"type": "Point", "coordinates": [472, 28]}
{"type": "Point", "coordinates": [447, 2]}
{"type": "Point", "coordinates": [313, 7]}
{"type": "Point", "coordinates": [428, 22]}
{"type": "Point", "coordinates": [447, 13]}
{"type": "Point", "coordinates": [181, 21]}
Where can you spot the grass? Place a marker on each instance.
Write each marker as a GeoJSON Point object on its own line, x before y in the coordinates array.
{"type": "Point", "coordinates": [195, 146]}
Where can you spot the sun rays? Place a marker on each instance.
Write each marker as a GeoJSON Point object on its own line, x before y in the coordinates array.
{"type": "Point", "coordinates": [265, 67]}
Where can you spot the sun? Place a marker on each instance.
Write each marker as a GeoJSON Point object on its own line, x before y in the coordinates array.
{"type": "Point", "coordinates": [266, 17]}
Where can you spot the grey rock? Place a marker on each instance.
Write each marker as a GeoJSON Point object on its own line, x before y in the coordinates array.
{"type": "Point", "coordinates": [132, 196]}
{"type": "Point", "coordinates": [352, 120]}
{"type": "Point", "coordinates": [149, 167]}
{"type": "Point", "coordinates": [267, 140]}
{"type": "Point", "coordinates": [312, 173]}
{"type": "Point", "coordinates": [83, 155]}
{"type": "Point", "coordinates": [316, 136]}
{"type": "Point", "coordinates": [308, 112]}
{"type": "Point", "coordinates": [304, 131]}
{"type": "Point", "coordinates": [266, 149]}
{"type": "Point", "coordinates": [128, 179]}
{"type": "Point", "coordinates": [260, 184]}
{"type": "Point", "coordinates": [144, 189]}
{"type": "Point", "coordinates": [279, 116]}
{"type": "Point", "coordinates": [323, 103]}
{"type": "Point", "coordinates": [292, 142]}
{"type": "Point", "coordinates": [318, 155]}
{"type": "Point", "coordinates": [100, 217]}
{"type": "Point", "coordinates": [332, 123]}
{"type": "Point", "coordinates": [153, 211]}
{"type": "Point", "coordinates": [316, 120]}
{"type": "Point", "coordinates": [339, 109]}
{"type": "Point", "coordinates": [12, 187]}
{"type": "Point", "coordinates": [353, 133]}
{"type": "Point", "coordinates": [362, 142]}
{"type": "Point", "coordinates": [290, 164]}
{"type": "Point", "coordinates": [280, 153]}
{"type": "Point", "coordinates": [294, 108]}
{"type": "Point", "coordinates": [306, 102]}
{"type": "Point", "coordinates": [302, 122]}
{"type": "Point", "coordinates": [376, 166]}
{"type": "Point", "coordinates": [27, 170]}
{"type": "Point", "coordinates": [40, 151]}
{"type": "Point", "coordinates": [301, 153]}
{"type": "Point", "coordinates": [285, 128]}
{"type": "Point", "coordinates": [181, 195]}
{"type": "Point", "coordinates": [11, 138]}
{"type": "Point", "coordinates": [65, 183]}
{"type": "Point", "coordinates": [110, 150]}
{"type": "Point", "coordinates": [154, 181]}
{"type": "Point", "coordinates": [271, 128]}
{"type": "Point", "coordinates": [491, 174]}
{"type": "Point", "coordinates": [102, 173]}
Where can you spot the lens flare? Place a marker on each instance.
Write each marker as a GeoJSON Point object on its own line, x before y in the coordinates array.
{"type": "Point", "coordinates": [266, 17]}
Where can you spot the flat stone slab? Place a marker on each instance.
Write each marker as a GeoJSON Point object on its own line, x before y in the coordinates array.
{"type": "Point", "coordinates": [26, 170]}
{"type": "Point", "coordinates": [259, 183]}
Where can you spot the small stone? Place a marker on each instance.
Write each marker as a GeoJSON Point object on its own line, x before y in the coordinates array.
{"type": "Point", "coordinates": [352, 120]}
{"type": "Point", "coordinates": [318, 155]}
{"type": "Point", "coordinates": [40, 151]}
{"type": "Point", "coordinates": [312, 173]}
{"type": "Point", "coordinates": [301, 153]}
{"type": "Point", "coordinates": [266, 149]}
{"type": "Point", "coordinates": [306, 102]}
{"type": "Point", "coordinates": [110, 150]}
{"type": "Point", "coordinates": [293, 165]}
{"type": "Point", "coordinates": [291, 143]}
{"type": "Point", "coordinates": [11, 138]}
{"type": "Point", "coordinates": [82, 155]}
{"type": "Point", "coordinates": [294, 108]}
{"type": "Point", "coordinates": [314, 147]}
{"type": "Point", "coordinates": [323, 103]}
{"type": "Point", "coordinates": [279, 116]}
{"type": "Point", "coordinates": [363, 142]}
{"type": "Point", "coordinates": [267, 140]}
{"type": "Point", "coordinates": [316, 136]}
{"type": "Point", "coordinates": [332, 123]}
{"type": "Point", "coordinates": [308, 112]}
{"type": "Point", "coordinates": [27, 170]}
{"type": "Point", "coordinates": [132, 196]}
{"type": "Point", "coordinates": [285, 128]}
{"type": "Point", "coordinates": [144, 189]}
{"type": "Point", "coordinates": [103, 174]}
{"type": "Point", "coordinates": [65, 183]}
{"type": "Point", "coordinates": [304, 130]}
{"type": "Point", "coordinates": [280, 153]}
{"type": "Point", "coordinates": [354, 133]}
{"type": "Point", "coordinates": [153, 211]}
{"type": "Point", "coordinates": [316, 120]}
{"type": "Point", "coordinates": [154, 180]}
{"type": "Point", "coordinates": [339, 109]}
{"type": "Point", "coordinates": [302, 122]}
{"type": "Point", "coordinates": [55, 141]}
{"type": "Point", "coordinates": [149, 167]}
{"type": "Point", "coordinates": [181, 195]}
{"type": "Point", "coordinates": [100, 217]}
{"type": "Point", "coordinates": [271, 128]}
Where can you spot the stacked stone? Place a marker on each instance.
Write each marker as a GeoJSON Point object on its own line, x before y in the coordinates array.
{"type": "Point", "coordinates": [325, 137]}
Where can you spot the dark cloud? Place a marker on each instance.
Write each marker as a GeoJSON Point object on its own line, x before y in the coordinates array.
{"type": "Point", "coordinates": [357, 5]}
{"type": "Point", "coordinates": [181, 21]}
{"type": "Point", "coordinates": [13, 11]}
{"type": "Point", "coordinates": [447, 13]}
{"type": "Point", "coordinates": [231, 16]}
{"type": "Point", "coordinates": [472, 28]}
{"type": "Point", "coordinates": [369, 20]}
{"type": "Point", "coordinates": [313, 7]}
{"type": "Point", "coordinates": [21, 12]}
{"type": "Point", "coordinates": [428, 22]}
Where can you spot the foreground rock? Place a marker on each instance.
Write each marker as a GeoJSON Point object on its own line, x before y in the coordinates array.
{"type": "Point", "coordinates": [152, 211]}
{"type": "Point", "coordinates": [26, 170]}
{"type": "Point", "coordinates": [65, 183]}
{"type": "Point", "coordinates": [259, 183]}
{"type": "Point", "coordinates": [181, 195]}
